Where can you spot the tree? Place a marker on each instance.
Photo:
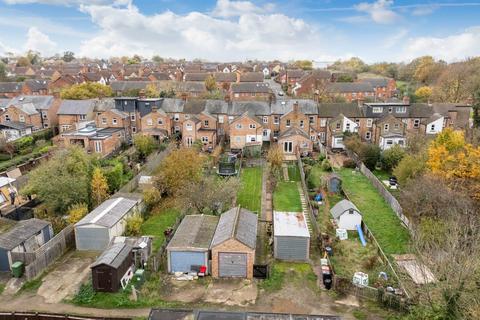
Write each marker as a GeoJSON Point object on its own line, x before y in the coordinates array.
{"type": "Point", "coordinates": [76, 212]}
{"type": "Point", "coordinates": [304, 64]}
{"type": "Point", "coordinates": [61, 181]}
{"type": "Point", "coordinates": [391, 158]}
{"type": "Point", "coordinates": [151, 197]}
{"type": "Point", "coordinates": [68, 56]}
{"type": "Point", "coordinates": [210, 83]}
{"type": "Point", "coordinates": [409, 167]}
{"type": "Point", "coordinates": [7, 147]}
{"type": "Point", "coordinates": [134, 225]}
{"type": "Point", "coordinates": [144, 145]}
{"type": "Point", "coordinates": [157, 59]}
{"type": "Point", "coordinates": [86, 90]}
{"type": "Point", "coordinates": [134, 60]}
{"type": "Point", "coordinates": [370, 155]}
{"type": "Point", "coordinates": [476, 109]}
{"type": "Point", "coordinates": [99, 186]}
{"type": "Point", "coordinates": [275, 158]}
{"type": "Point", "coordinates": [180, 167]}
{"type": "Point", "coordinates": [458, 82]}
{"type": "Point", "coordinates": [427, 69]}
{"type": "Point", "coordinates": [23, 62]}
{"type": "Point", "coordinates": [3, 72]}
{"type": "Point", "coordinates": [210, 195]}
{"type": "Point", "coordinates": [423, 94]}
{"type": "Point", "coordinates": [151, 91]}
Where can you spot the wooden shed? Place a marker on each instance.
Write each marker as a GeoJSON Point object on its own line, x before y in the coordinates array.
{"type": "Point", "coordinates": [291, 236]}
{"type": "Point", "coordinates": [113, 268]}
{"type": "Point", "coordinates": [333, 182]}
{"type": "Point", "coordinates": [346, 215]}
{"type": "Point", "coordinates": [233, 244]}
{"type": "Point", "coordinates": [189, 247]}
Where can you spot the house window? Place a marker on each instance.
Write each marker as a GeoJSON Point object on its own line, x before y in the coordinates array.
{"type": "Point", "coordinates": [323, 122]}
{"type": "Point", "coordinates": [149, 122]}
{"type": "Point", "coordinates": [104, 120]}
{"type": "Point", "coordinates": [238, 139]}
{"type": "Point", "coordinates": [321, 136]}
{"type": "Point", "coordinates": [114, 121]}
{"type": "Point", "coordinates": [220, 119]}
{"type": "Point", "coordinates": [187, 116]}
{"type": "Point", "coordinates": [45, 125]}
{"type": "Point", "coordinates": [288, 147]}
{"type": "Point", "coordinates": [132, 117]}
{"type": "Point", "coordinates": [401, 109]}
{"type": "Point", "coordinates": [134, 130]}
{"type": "Point", "coordinates": [44, 115]}
{"type": "Point", "coordinates": [390, 110]}
{"type": "Point", "coordinates": [347, 126]}
{"type": "Point", "coordinates": [337, 126]}
{"type": "Point", "coordinates": [176, 117]}
{"type": "Point", "coordinates": [265, 133]}
{"type": "Point", "coordinates": [205, 139]}
{"type": "Point", "coordinates": [230, 118]}
{"type": "Point", "coordinates": [160, 122]}
{"type": "Point", "coordinates": [21, 118]}
{"type": "Point", "coordinates": [177, 129]}
{"type": "Point", "coordinates": [205, 123]}
{"type": "Point", "coordinates": [236, 95]}
{"type": "Point", "coordinates": [65, 127]}
{"type": "Point", "coordinates": [301, 123]}
{"type": "Point", "coordinates": [252, 126]}
{"type": "Point", "coordinates": [369, 123]}
{"type": "Point", "coordinates": [83, 117]}
{"type": "Point", "coordinates": [377, 110]}
{"type": "Point", "coordinates": [368, 135]}
{"type": "Point", "coordinates": [389, 142]}
{"type": "Point", "coordinates": [396, 125]}
{"type": "Point", "coordinates": [311, 119]}
{"type": "Point", "coordinates": [265, 119]}
{"type": "Point", "coordinates": [189, 127]}
{"type": "Point", "coordinates": [238, 126]}
{"type": "Point", "coordinates": [276, 119]}
{"type": "Point", "coordinates": [416, 123]}
{"type": "Point", "coordinates": [252, 94]}
{"type": "Point", "coordinates": [288, 123]}
{"type": "Point", "coordinates": [386, 126]}
{"type": "Point", "coordinates": [98, 146]}
{"type": "Point", "coordinates": [432, 127]}
{"type": "Point", "coordinates": [400, 142]}
{"type": "Point", "coordinates": [313, 137]}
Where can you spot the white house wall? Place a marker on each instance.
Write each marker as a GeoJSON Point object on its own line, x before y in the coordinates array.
{"type": "Point", "coordinates": [437, 126]}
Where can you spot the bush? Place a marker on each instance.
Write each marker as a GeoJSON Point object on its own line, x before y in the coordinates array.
{"type": "Point", "coordinates": [409, 167]}
{"type": "Point", "coordinates": [391, 158]}
{"type": "Point", "coordinates": [151, 196]}
{"type": "Point", "coordinates": [23, 143]}
{"type": "Point", "coordinates": [76, 212]}
{"type": "Point", "coordinates": [349, 163]}
{"type": "Point", "coordinates": [370, 155]}
{"type": "Point", "coordinates": [326, 166]}
{"type": "Point", "coordinates": [134, 225]}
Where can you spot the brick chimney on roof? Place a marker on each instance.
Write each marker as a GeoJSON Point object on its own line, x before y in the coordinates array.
{"type": "Point", "coordinates": [406, 99]}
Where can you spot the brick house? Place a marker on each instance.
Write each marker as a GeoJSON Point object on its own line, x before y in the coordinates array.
{"type": "Point", "coordinates": [72, 113]}
{"type": "Point", "coordinates": [389, 131]}
{"type": "Point", "coordinates": [156, 124]}
{"type": "Point", "coordinates": [312, 83]}
{"type": "Point", "coordinates": [250, 77]}
{"type": "Point", "coordinates": [290, 76]}
{"type": "Point", "coordinates": [245, 130]}
{"type": "Point", "coordinates": [250, 91]}
{"type": "Point", "coordinates": [35, 87]}
{"type": "Point", "coordinates": [22, 113]}
{"type": "Point", "coordinates": [295, 141]}
{"type": "Point", "coordinates": [336, 129]}
{"type": "Point", "coordinates": [233, 244]}
{"type": "Point", "coordinates": [351, 91]}
{"type": "Point", "coordinates": [62, 82]}
{"type": "Point", "coordinates": [10, 89]}
{"type": "Point", "coordinates": [46, 106]}
{"type": "Point", "coordinates": [103, 141]}
{"type": "Point", "coordinates": [384, 87]}
{"type": "Point", "coordinates": [114, 118]}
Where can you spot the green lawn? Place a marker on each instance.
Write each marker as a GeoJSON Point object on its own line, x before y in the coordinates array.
{"type": "Point", "coordinates": [157, 223]}
{"type": "Point", "coordinates": [377, 214]}
{"type": "Point", "coordinates": [314, 178]}
{"type": "Point", "coordinates": [286, 197]}
{"type": "Point", "coordinates": [298, 273]}
{"type": "Point", "coordinates": [250, 194]}
{"type": "Point", "coordinates": [293, 172]}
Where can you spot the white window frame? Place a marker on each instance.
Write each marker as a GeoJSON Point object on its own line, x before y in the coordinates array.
{"type": "Point", "coordinates": [311, 119]}
{"type": "Point", "coordinates": [252, 126]}
{"type": "Point", "coordinates": [220, 119]}
{"type": "Point", "coordinates": [160, 121]}
{"type": "Point", "coordinates": [21, 118]}
{"type": "Point", "coordinates": [287, 123]}
{"type": "Point", "coordinates": [188, 127]}
{"type": "Point", "coordinates": [83, 117]}
{"type": "Point", "coordinates": [416, 123]}
{"type": "Point", "coordinates": [369, 123]}
{"type": "Point", "coordinates": [323, 122]}
{"type": "Point", "coordinates": [401, 109]}
{"type": "Point", "coordinates": [134, 129]}
{"type": "Point", "coordinates": [265, 119]}
{"type": "Point", "coordinates": [302, 124]}
{"type": "Point", "coordinates": [205, 139]}
{"type": "Point", "coordinates": [377, 109]}
{"type": "Point", "coordinates": [98, 146]}
{"type": "Point", "coordinates": [386, 127]}
{"type": "Point", "coordinates": [206, 123]}
{"type": "Point", "coordinates": [176, 117]}
{"type": "Point", "coordinates": [276, 119]}
{"type": "Point", "coordinates": [132, 117]}
{"type": "Point", "coordinates": [149, 122]}
{"type": "Point", "coordinates": [238, 126]}
{"type": "Point", "coordinates": [104, 120]}
{"type": "Point", "coordinates": [114, 121]}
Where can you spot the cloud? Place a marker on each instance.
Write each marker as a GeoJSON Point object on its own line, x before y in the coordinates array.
{"type": "Point", "coordinates": [228, 8]}
{"type": "Point", "coordinates": [69, 2]}
{"type": "Point", "coordinates": [39, 41]}
{"type": "Point", "coordinates": [450, 48]}
{"type": "Point", "coordinates": [379, 11]}
{"type": "Point", "coordinates": [394, 39]}
{"type": "Point", "coordinates": [4, 48]}
{"type": "Point", "coordinates": [127, 31]}
{"type": "Point", "coordinates": [424, 10]}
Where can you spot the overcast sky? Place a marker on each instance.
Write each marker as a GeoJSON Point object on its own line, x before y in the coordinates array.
{"type": "Point", "coordinates": [227, 30]}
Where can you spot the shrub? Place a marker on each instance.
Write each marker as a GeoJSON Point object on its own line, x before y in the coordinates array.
{"type": "Point", "coordinates": [409, 167]}
{"type": "Point", "coordinates": [151, 196]}
{"type": "Point", "coordinates": [370, 155]}
{"type": "Point", "coordinates": [23, 143]}
{"type": "Point", "coordinates": [390, 158]}
{"type": "Point", "coordinates": [349, 163]}
{"type": "Point", "coordinates": [76, 212]}
{"type": "Point", "coordinates": [134, 225]}
{"type": "Point", "coordinates": [326, 166]}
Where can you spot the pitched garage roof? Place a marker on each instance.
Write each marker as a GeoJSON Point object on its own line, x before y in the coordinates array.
{"type": "Point", "coordinates": [194, 232]}
{"type": "Point", "coordinates": [22, 231]}
{"type": "Point", "coordinates": [114, 256]}
{"type": "Point", "coordinates": [239, 224]}
{"type": "Point", "coordinates": [108, 213]}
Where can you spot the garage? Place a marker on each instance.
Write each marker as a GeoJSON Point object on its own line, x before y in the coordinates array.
{"type": "Point", "coordinates": [232, 264]}
{"type": "Point", "coordinates": [233, 245]}
{"type": "Point", "coordinates": [291, 237]}
{"type": "Point", "coordinates": [188, 249]}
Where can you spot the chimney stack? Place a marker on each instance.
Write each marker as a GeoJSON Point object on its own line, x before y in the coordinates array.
{"type": "Point", "coordinates": [406, 99]}
{"type": "Point", "coordinates": [295, 107]}
{"type": "Point", "coordinates": [141, 94]}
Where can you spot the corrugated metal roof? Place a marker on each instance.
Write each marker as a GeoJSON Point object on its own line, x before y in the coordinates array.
{"type": "Point", "coordinates": [108, 213]}
{"type": "Point", "coordinates": [194, 232]}
{"type": "Point", "coordinates": [290, 224]}
{"type": "Point", "coordinates": [237, 223]}
{"type": "Point", "coordinates": [341, 207]}
{"type": "Point", "coordinates": [113, 256]}
{"type": "Point", "coordinates": [22, 231]}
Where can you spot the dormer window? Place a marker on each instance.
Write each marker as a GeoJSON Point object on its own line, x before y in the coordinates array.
{"type": "Point", "coordinates": [401, 109]}
{"type": "Point", "coordinates": [377, 109]}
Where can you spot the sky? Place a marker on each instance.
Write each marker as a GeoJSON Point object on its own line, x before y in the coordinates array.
{"type": "Point", "coordinates": [230, 30]}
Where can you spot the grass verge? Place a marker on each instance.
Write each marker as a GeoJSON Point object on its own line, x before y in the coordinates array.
{"type": "Point", "coordinates": [286, 197]}
{"type": "Point", "coordinates": [157, 223]}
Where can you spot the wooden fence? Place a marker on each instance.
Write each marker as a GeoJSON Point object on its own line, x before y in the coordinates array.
{"type": "Point", "coordinates": [380, 186]}
{"type": "Point", "coordinates": [313, 220]}
{"type": "Point", "coordinates": [49, 316]}
{"type": "Point", "coordinates": [37, 261]}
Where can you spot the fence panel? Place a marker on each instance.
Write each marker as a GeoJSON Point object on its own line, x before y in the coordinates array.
{"type": "Point", "coordinates": [313, 220]}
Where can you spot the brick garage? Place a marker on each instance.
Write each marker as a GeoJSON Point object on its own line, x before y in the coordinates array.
{"type": "Point", "coordinates": [233, 244]}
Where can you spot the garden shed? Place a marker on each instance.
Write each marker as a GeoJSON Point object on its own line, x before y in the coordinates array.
{"type": "Point", "coordinates": [97, 229]}
{"type": "Point", "coordinates": [233, 244]}
{"type": "Point", "coordinates": [333, 182]}
{"type": "Point", "coordinates": [23, 236]}
{"type": "Point", "coordinates": [188, 249]}
{"type": "Point", "coordinates": [291, 236]}
{"type": "Point", "coordinates": [113, 269]}
{"type": "Point", "coordinates": [346, 215]}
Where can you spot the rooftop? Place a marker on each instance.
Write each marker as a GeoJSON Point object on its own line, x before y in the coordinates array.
{"type": "Point", "coordinates": [114, 256]}
{"type": "Point", "coordinates": [194, 232]}
{"type": "Point", "coordinates": [22, 231]}
{"type": "Point", "coordinates": [108, 213]}
{"type": "Point", "coordinates": [290, 224]}
{"type": "Point", "coordinates": [237, 223]}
